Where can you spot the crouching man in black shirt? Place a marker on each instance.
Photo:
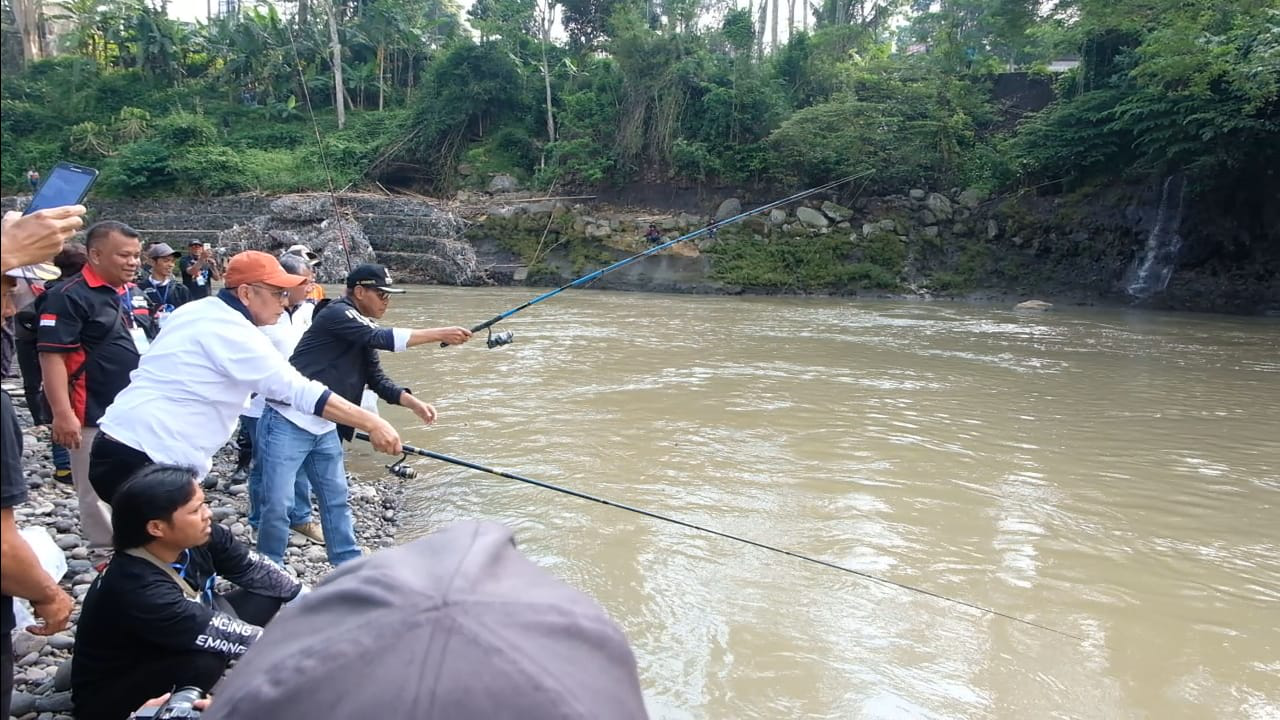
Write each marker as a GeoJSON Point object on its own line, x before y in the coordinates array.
{"type": "Point", "coordinates": [152, 621]}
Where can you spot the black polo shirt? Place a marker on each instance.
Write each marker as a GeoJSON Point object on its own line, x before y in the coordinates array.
{"type": "Point", "coordinates": [90, 323]}
{"type": "Point", "coordinates": [198, 286]}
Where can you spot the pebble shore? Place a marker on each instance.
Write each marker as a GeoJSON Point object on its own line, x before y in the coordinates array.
{"type": "Point", "coordinates": [42, 678]}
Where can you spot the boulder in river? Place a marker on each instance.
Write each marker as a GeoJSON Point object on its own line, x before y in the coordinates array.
{"type": "Point", "coordinates": [1033, 306]}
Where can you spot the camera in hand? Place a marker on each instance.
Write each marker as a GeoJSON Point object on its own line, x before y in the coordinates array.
{"type": "Point", "coordinates": [181, 704]}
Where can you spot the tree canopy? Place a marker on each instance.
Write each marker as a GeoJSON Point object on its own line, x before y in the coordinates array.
{"type": "Point", "coordinates": [591, 92]}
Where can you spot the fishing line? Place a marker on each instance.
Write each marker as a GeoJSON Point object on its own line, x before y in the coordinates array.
{"type": "Point", "coordinates": [505, 338]}
{"type": "Point", "coordinates": [700, 528]}
{"type": "Point", "coordinates": [324, 156]}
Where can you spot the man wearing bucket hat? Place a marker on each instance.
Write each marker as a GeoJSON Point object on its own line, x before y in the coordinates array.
{"type": "Point", "coordinates": [316, 293]}
{"type": "Point", "coordinates": [457, 625]}
{"type": "Point", "coordinates": [203, 368]}
{"type": "Point", "coordinates": [164, 293]}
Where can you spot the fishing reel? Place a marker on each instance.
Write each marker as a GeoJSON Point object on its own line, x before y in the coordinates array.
{"type": "Point", "coordinates": [505, 337]}
{"type": "Point", "coordinates": [402, 469]}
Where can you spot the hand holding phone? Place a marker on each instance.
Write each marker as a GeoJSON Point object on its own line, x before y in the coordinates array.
{"type": "Point", "coordinates": [66, 184]}
{"type": "Point", "coordinates": [36, 238]}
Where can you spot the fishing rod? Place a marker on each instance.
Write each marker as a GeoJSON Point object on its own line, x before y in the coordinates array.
{"type": "Point", "coordinates": [324, 156]}
{"type": "Point", "coordinates": [403, 471]}
{"type": "Point", "coordinates": [508, 337]}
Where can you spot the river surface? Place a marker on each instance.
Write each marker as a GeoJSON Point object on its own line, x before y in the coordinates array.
{"type": "Point", "coordinates": [1112, 474]}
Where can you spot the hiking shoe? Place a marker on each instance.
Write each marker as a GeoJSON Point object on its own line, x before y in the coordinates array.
{"type": "Point", "coordinates": [63, 475]}
{"type": "Point", "coordinates": [239, 477]}
{"type": "Point", "coordinates": [310, 530]}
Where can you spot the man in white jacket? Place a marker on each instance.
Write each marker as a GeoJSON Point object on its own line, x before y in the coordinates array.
{"type": "Point", "coordinates": [201, 369]}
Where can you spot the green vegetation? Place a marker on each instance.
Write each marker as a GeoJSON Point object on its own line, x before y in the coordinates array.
{"type": "Point", "coordinates": [676, 90]}
{"type": "Point", "coordinates": [679, 90]}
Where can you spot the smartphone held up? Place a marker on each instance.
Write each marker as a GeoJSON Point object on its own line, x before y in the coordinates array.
{"type": "Point", "coordinates": [66, 184]}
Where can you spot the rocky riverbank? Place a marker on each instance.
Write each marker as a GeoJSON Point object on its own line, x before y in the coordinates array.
{"type": "Point", "coordinates": [1136, 245]}
{"type": "Point", "coordinates": [42, 677]}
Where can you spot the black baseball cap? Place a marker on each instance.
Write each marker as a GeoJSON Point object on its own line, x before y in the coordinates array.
{"type": "Point", "coordinates": [372, 275]}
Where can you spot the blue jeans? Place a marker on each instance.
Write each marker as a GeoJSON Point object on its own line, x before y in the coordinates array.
{"type": "Point", "coordinates": [300, 511]}
{"type": "Point", "coordinates": [284, 448]}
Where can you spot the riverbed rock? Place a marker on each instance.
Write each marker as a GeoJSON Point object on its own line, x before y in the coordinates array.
{"type": "Point", "coordinates": [777, 216]}
{"type": "Point", "coordinates": [306, 207]}
{"type": "Point", "coordinates": [62, 678]}
{"type": "Point", "coordinates": [503, 183]}
{"type": "Point", "coordinates": [812, 218]}
{"type": "Point", "coordinates": [1033, 306]}
{"type": "Point", "coordinates": [939, 205]}
{"type": "Point", "coordinates": [305, 220]}
{"type": "Point", "coordinates": [972, 198]}
{"type": "Point", "coordinates": [838, 213]}
{"type": "Point", "coordinates": [543, 207]}
{"type": "Point", "coordinates": [55, 703]}
{"type": "Point", "coordinates": [993, 229]}
{"type": "Point", "coordinates": [22, 704]}
{"type": "Point", "coordinates": [729, 208]}
{"type": "Point", "coordinates": [62, 641]}
{"type": "Point", "coordinates": [24, 643]}
{"type": "Point", "coordinates": [916, 194]}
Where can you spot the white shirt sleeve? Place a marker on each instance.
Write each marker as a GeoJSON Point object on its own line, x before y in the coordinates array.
{"type": "Point", "coordinates": [256, 362]}
{"type": "Point", "coordinates": [402, 338]}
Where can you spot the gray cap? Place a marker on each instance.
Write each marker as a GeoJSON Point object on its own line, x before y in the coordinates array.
{"type": "Point", "coordinates": [159, 250]}
{"type": "Point", "coordinates": [458, 625]}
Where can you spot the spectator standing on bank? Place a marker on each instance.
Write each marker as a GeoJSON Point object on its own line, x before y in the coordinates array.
{"type": "Point", "coordinates": [199, 269]}
{"type": "Point", "coordinates": [69, 261]}
{"type": "Point", "coordinates": [91, 332]}
{"type": "Point", "coordinates": [163, 291]}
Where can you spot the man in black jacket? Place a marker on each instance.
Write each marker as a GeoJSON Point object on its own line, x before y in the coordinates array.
{"type": "Point", "coordinates": [152, 620]}
{"type": "Point", "coordinates": [163, 292]}
{"type": "Point", "coordinates": [340, 349]}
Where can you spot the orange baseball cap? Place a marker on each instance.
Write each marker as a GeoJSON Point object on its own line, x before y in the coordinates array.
{"type": "Point", "coordinates": [252, 266]}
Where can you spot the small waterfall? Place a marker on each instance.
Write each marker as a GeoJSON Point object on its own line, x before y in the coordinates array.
{"type": "Point", "coordinates": [1152, 271]}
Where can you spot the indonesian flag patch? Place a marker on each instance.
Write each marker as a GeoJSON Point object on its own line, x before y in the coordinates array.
{"type": "Point", "coordinates": [48, 320]}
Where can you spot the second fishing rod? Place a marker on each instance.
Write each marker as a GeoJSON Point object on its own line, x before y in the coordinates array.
{"type": "Point", "coordinates": [505, 338]}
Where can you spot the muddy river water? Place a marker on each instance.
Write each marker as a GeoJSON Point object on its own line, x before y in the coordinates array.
{"type": "Point", "coordinates": [1114, 474]}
